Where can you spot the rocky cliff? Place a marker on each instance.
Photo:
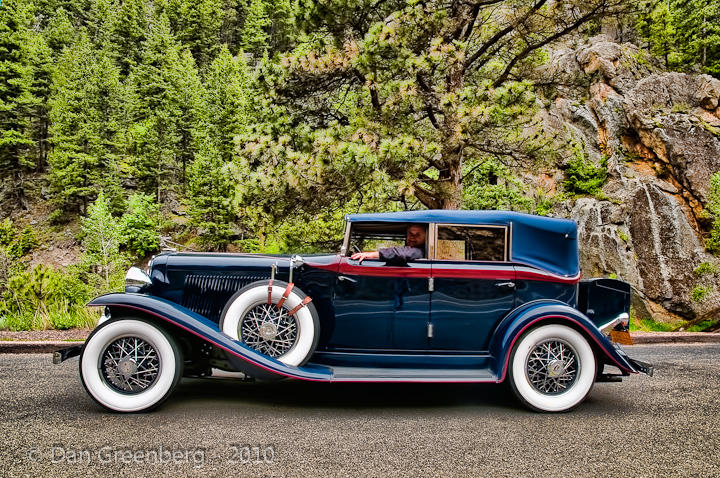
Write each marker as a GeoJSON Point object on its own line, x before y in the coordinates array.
{"type": "Point", "coordinates": [660, 135]}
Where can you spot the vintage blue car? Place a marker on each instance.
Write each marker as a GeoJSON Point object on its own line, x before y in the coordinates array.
{"type": "Point", "coordinates": [491, 296]}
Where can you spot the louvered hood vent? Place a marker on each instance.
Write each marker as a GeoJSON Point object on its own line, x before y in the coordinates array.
{"type": "Point", "coordinates": [207, 294]}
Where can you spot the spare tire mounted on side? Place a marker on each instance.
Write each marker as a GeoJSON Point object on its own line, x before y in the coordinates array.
{"type": "Point", "coordinates": [275, 318]}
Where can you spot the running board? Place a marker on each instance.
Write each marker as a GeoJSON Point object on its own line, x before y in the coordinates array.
{"type": "Point", "coordinates": [386, 374]}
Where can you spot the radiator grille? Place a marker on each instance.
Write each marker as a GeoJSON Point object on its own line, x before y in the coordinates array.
{"type": "Point", "coordinates": [207, 294]}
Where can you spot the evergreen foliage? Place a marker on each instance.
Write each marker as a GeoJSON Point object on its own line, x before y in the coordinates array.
{"type": "Point", "coordinates": [17, 99]}
{"type": "Point", "coordinates": [168, 111]}
{"type": "Point", "coordinates": [228, 83]}
{"type": "Point", "coordinates": [140, 225]}
{"type": "Point", "coordinates": [582, 176]}
{"type": "Point", "coordinates": [87, 110]}
{"type": "Point", "coordinates": [685, 33]}
{"type": "Point", "coordinates": [210, 197]}
{"type": "Point", "coordinates": [713, 242]}
{"type": "Point", "coordinates": [254, 34]}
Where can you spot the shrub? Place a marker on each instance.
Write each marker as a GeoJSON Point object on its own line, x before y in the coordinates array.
{"type": "Point", "coordinates": [16, 244]}
{"type": "Point", "coordinates": [24, 243]}
{"type": "Point", "coordinates": [706, 268]}
{"type": "Point", "coordinates": [713, 242]}
{"type": "Point", "coordinates": [700, 293]}
{"type": "Point", "coordinates": [7, 232]}
{"type": "Point", "coordinates": [140, 226]}
{"type": "Point", "coordinates": [44, 297]}
{"type": "Point", "coordinates": [582, 176]}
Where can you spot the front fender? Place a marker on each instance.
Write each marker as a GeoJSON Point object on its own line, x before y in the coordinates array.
{"type": "Point", "coordinates": [549, 311]}
{"type": "Point", "coordinates": [250, 361]}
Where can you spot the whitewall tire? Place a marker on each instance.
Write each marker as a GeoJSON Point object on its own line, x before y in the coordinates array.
{"type": "Point", "coordinates": [552, 368]}
{"type": "Point", "coordinates": [262, 326]}
{"type": "Point", "coordinates": [130, 365]}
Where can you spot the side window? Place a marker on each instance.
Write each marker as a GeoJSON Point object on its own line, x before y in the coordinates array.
{"type": "Point", "coordinates": [471, 243]}
{"type": "Point", "coordinates": [372, 236]}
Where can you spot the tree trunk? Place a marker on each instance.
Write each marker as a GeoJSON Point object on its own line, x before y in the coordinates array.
{"type": "Point", "coordinates": [451, 181]}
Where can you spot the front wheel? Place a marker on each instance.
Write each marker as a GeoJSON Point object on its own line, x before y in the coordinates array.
{"type": "Point", "coordinates": [130, 365]}
{"type": "Point", "coordinates": [552, 368]}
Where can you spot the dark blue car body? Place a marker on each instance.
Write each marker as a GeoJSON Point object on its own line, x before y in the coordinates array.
{"type": "Point", "coordinates": [431, 320]}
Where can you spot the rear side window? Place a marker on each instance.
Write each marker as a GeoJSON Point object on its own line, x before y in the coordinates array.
{"type": "Point", "coordinates": [471, 243]}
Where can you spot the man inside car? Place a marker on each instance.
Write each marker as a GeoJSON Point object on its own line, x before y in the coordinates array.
{"type": "Point", "coordinates": [414, 248]}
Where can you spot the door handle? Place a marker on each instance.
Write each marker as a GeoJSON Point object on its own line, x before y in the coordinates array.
{"type": "Point", "coordinates": [346, 278]}
{"type": "Point", "coordinates": [509, 285]}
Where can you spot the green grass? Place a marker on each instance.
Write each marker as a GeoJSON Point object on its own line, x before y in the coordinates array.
{"type": "Point", "coordinates": [703, 326]}
{"type": "Point", "coordinates": [649, 325]}
{"type": "Point", "coordinates": [60, 319]}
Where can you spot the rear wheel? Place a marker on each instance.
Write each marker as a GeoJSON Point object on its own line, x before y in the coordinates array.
{"type": "Point", "coordinates": [552, 368]}
{"type": "Point", "coordinates": [130, 365]}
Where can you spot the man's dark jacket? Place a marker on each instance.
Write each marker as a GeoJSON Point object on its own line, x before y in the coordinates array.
{"type": "Point", "coordinates": [400, 254]}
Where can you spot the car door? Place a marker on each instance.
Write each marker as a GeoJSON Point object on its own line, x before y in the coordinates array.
{"type": "Point", "coordinates": [381, 307]}
{"type": "Point", "coordinates": [473, 286]}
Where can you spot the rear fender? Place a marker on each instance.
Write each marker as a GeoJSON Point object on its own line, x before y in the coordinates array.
{"type": "Point", "coordinates": [244, 358]}
{"type": "Point", "coordinates": [541, 312]}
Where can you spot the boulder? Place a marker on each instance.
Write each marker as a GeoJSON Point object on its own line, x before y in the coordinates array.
{"type": "Point", "coordinates": [661, 135]}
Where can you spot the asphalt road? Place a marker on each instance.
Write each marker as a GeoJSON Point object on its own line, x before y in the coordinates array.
{"type": "Point", "coordinates": [667, 425]}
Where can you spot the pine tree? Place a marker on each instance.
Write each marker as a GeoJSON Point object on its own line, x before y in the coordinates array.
{"type": "Point", "coordinates": [697, 33]}
{"type": "Point", "coordinates": [42, 62]}
{"type": "Point", "coordinates": [254, 36]}
{"type": "Point", "coordinates": [282, 32]}
{"type": "Point", "coordinates": [197, 24]}
{"type": "Point", "coordinates": [210, 199]}
{"type": "Point", "coordinates": [16, 95]}
{"type": "Point", "coordinates": [167, 111]}
{"type": "Point", "coordinates": [228, 84]}
{"type": "Point", "coordinates": [128, 28]}
{"type": "Point", "coordinates": [685, 33]}
{"type": "Point", "coordinates": [86, 112]}
{"type": "Point", "coordinates": [662, 31]}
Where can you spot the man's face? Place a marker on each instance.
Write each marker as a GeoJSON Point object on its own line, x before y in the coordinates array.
{"type": "Point", "coordinates": [415, 236]}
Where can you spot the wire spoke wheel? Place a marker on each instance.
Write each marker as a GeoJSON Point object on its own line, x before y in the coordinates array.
{"type": "Point", "coordinates": [552, 367]}
{"type": "Point", "coordinates": [130, 365]}
{"type": "Point", "coordinates": [252, 317]}
{"type": "Point", "coordinates": [269, 329]}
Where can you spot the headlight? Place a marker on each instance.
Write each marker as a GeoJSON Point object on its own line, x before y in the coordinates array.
{"type": "Point", "coordinates": [136, 279]}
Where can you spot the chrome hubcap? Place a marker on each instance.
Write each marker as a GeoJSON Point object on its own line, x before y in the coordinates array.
{"type": "Point", "coordinates": [552, 367]}
{"type": "Point", "coordinates": [130, 365]}
{"type": "Point", "coordinates": [268, 330]}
